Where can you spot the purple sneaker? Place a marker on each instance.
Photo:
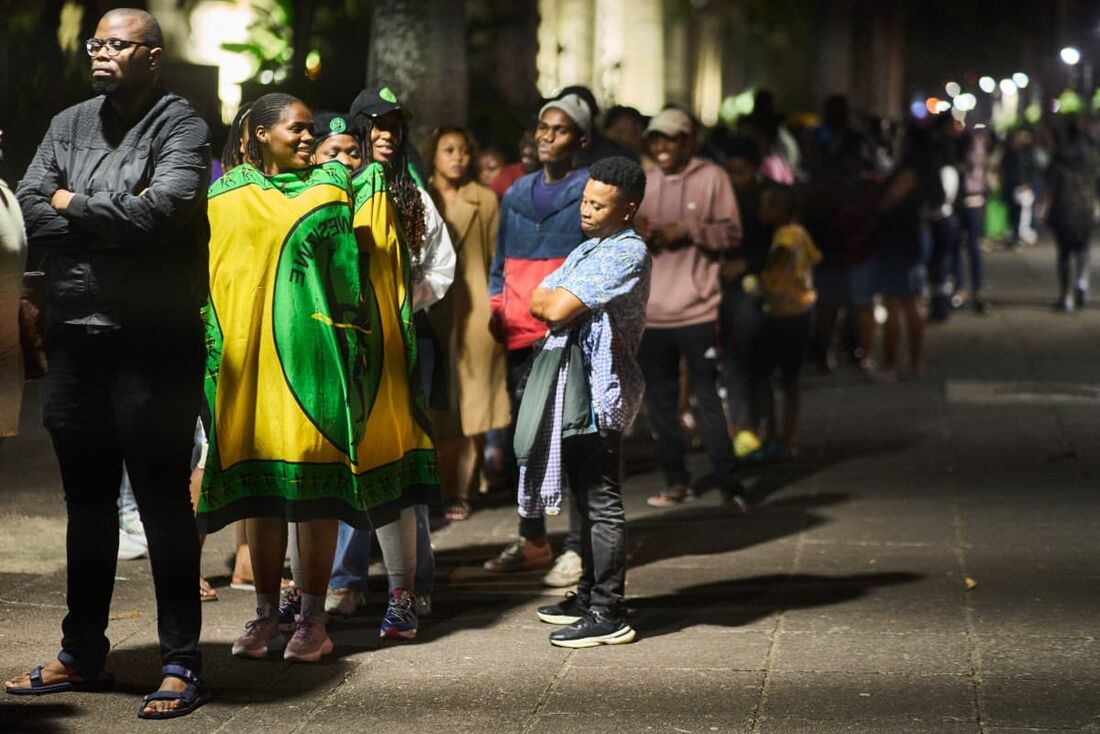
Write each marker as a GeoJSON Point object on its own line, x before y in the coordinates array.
{"type": "Point", "coordinates": [310, 640]}
{"type": "Point", "coordinates": [257, 636]}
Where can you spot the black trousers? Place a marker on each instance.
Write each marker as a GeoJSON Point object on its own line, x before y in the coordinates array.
{"type": "Point", "coordinates": [519, 364]}
{"type": "Point", "coordinates": [659, 357]}
{"type": "Point", "coordinates": [592, 467]}
{"type": "Point", "coordinates": [128, 395]}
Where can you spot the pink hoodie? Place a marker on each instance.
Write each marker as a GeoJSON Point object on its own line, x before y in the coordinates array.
{"type": "Point", "coordinates": [684, 288]}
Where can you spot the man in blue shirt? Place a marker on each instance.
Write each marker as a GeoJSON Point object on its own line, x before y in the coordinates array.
{"type": "Point", "coordinates": [599, 295]}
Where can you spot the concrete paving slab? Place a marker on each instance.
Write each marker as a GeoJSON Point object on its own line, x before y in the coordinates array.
{"type": "Point", "coordinates": [886, 699]}
{"type": "Point", "coordinates": [1039, 702]}
{"type": "Point", "coordinates": [862, 652]}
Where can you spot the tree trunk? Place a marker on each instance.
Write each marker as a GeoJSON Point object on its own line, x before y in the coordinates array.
{"type": "Point", "coordinates": [418, 49]}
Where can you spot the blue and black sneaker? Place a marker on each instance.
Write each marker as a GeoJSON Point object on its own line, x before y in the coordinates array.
{"type": "Point", "coordinates": [290, 606]}
{"type": "Point", "coordinates": [400, 622]}
{"type": "Point", "coordinates": [568, 611]}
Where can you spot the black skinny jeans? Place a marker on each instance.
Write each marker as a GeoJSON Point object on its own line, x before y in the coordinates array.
{"type": "Point", "coordinates": [132, 396]}
{"type": "Point", "coordinates": [593, 469]}
{"type": "Point", "coordinates": [532, 528]}
{"type": "Point", "coordinates": [659, 357]}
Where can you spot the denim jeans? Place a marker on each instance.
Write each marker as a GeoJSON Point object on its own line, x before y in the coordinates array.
{"type": "Point", "coordinates": [129, 395]}
{"type": "Point", "coordinates": [1073, 261]}
{"type": "Point", "coordinates": [592, 466]}
{"type": "Point", "coordinates": [659, 357]}
{"type": "Point", "coordinates": [353, 550]}
{"type": "Point", "coordinates": [740, 325]}
{"type": "Point", "coordinates": [974, 223]}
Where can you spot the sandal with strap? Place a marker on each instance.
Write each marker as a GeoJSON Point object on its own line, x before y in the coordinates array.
{"type": "Point", "coordinates": [190, 698]}
{"type": "Point", "coordinates": [102, 682]}
{"type": "Point", "coordinates": [206, 591]}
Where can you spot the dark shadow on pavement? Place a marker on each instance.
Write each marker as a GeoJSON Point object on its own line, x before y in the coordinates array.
{"type": "Point", "coordinates": [29, 717]}
{"type": "Point", "coordinates": [233, 680]}
{"type": "Point", "coordinates": [738, 602]}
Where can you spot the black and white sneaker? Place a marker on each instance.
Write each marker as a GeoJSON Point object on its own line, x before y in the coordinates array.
{"type": "Point", "coordinates": [595, 628]}
{"type": "Point", "coordinates": [567, 611]}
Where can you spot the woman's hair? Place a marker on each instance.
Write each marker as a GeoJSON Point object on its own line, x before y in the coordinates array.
{"type": "Point", "coordinates": [265, 112]}
{"type": "Point", "coordinates": [231, 153]}
{"type": "Point", "coordinates": [402, 187]}
{"type": "Point", "coordinates": [433, 146]}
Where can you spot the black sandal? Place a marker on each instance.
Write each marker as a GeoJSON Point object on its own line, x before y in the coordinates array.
{"type": "Point", "coordinates": [102, 682]}
{"type": "Point", "coordinates": [190, 698]}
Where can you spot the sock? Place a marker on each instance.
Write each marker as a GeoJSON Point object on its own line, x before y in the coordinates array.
{"type": "Point", "coordinates": [398, 543]}
{"type": "Point", "coordinates": [266, 604]}
{"type": "Point", "coordinates": [313, 605]}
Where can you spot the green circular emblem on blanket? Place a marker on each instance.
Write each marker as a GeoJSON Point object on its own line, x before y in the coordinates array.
{"type": "Point", "coordinates": [317, 323]}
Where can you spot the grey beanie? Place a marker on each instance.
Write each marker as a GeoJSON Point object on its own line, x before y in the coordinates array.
{"type": "Point", "coordinates": [575, 108]}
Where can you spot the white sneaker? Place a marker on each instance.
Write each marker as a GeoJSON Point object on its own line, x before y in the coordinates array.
{"type": "Point", "coordinates": [344, 602]}
{"type": "Point", "coordinates": [131, 546]}
{"type": "Point", "coordinates": [566, 571]}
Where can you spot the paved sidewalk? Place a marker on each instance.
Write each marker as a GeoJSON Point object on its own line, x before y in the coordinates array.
{"type": "Point", "coordinates": [839, 605]}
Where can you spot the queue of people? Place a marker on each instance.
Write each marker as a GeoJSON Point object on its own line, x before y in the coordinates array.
{"type": "Point", "coordinates": [325, 342]}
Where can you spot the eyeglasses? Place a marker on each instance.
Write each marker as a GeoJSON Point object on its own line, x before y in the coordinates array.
{"type": "Point", "coordinates": [114, 46]}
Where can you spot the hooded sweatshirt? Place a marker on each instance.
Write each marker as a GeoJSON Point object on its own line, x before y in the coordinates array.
{"type": "Point", "coordinates": [684, 287]}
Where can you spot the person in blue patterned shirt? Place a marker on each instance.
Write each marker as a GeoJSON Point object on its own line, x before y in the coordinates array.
{"type": "Point", "coordinates": [600, 294]}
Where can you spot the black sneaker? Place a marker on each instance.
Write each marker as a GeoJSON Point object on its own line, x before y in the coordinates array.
{"type": "Point", "coordinates": [595, 628]}
{"type": "Point", "coordinates": [567, 611]}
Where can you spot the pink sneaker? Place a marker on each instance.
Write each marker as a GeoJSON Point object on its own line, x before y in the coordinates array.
{"type": "Point", "coordinates": [257, 636]}
{"type": "Point", "coordinates": [310, 640]}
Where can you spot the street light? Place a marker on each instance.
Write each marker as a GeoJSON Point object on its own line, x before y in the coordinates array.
{"type": "Point", "coordinates": [952, 89]}
{"type": "Point", "coordinates": [987, 84]}
{"type": "Point", "coordinates": [1070, 55]}
{"type": "Point", "coordinates": [1021, 79]}
{"type": "Point", "coordinates": [1008, 87]}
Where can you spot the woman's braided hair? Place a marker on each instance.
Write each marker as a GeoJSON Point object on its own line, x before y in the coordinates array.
{"type": "Point", "coordinates": [403, 190]}
{"type": "Point", "coordinates": [266, 111]}
{"type": "Point", "coordinates": [231, 153]}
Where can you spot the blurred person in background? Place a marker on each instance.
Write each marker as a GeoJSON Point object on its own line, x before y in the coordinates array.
{"type": "Point", "coordinates": [740, 312]}
{"type": "Point", "coordinates": [1071, 190]}
{"type": "Point", "coordinates": [786, 288]}
{"type": "Point", "coordinates": [840, 208]}
{"type": "Point", "coordinates": [690, 220]}
{"type": "Point", "coordinates": [911, 191]}
{"type": "Point", "coordinates": [975, 190]}
{"type": "Point", "coordinates": [471, 361]}
{"type": "Point", "coordinates": [13, 259]}
{"type": "Point", "coordinates": [1019, 171]}
{"type": "Point", "coordinates": [625, 125]}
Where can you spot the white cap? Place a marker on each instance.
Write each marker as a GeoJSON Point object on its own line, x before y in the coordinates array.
{"type": "Point", "coordinates": [575, 108]}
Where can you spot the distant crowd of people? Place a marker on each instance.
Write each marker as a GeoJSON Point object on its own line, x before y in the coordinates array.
{"type": "Point", "coordinates": [328, 332]}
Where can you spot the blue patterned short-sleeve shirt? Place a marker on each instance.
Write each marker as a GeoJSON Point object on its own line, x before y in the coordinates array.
{"type": "Point", "coordinates": [611, 277]}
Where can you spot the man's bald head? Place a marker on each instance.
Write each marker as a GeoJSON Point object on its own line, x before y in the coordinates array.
{"type": "Point", "coordinates": [140, 20]}
{"type": "Point", "coordinates": [133, 68]}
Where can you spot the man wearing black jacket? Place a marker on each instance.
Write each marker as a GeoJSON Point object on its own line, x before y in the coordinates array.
{"type": "Point", "coordinates": [116, 198]}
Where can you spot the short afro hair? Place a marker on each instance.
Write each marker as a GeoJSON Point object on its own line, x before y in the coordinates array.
{"type": "Point", "coordinates": [622, 173]}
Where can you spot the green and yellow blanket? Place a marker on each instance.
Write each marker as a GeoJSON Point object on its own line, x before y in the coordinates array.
{"type": "Point", "coordinates": [297, 377]}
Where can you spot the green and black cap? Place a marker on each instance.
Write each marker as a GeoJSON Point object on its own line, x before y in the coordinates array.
{"type": "Point", "coordinates": [326, 124]}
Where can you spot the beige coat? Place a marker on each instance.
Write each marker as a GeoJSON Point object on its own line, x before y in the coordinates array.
{"type": "Point", "coordinates": [477, 383]}
{"type": "Point", "coordinates": [13, 257]}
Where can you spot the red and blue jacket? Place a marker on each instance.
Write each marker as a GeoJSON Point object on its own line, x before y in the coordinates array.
{"type": "Point", "coordinates": [529, 249]}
